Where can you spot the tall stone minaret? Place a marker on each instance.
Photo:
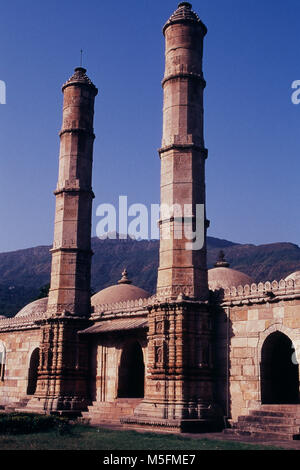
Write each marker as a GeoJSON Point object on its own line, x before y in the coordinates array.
{"type": "Point", "coordinates": [71, 253]}
{"type": "Point", "coordinates": [63, 368]}
{"type": "Point", "coordinates": [179, 383]}
{"type": "Point", "coordinates": [182, 268]}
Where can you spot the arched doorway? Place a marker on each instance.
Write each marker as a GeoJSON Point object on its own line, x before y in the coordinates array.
{"type": "Point", "coordinates": [33, 371]}
{"type": "Point", "coordinates": [278, 370]}
{"type": "Point", "coordinates": [131, 372]}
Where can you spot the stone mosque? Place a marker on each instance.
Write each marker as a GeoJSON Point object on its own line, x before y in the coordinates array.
{"type": "Point", "coordinates": [209, 350]}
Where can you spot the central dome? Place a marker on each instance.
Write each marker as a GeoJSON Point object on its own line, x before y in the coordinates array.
{"type": "Point", "coordinates": [120, 292]}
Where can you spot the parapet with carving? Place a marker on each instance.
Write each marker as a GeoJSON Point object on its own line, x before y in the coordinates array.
{"type": "Point", "coordinates": [21, 323]}
{"type": "Point", "coordinates": [263, 291]}
{"type": "Point", "coordinates": [119, 307]}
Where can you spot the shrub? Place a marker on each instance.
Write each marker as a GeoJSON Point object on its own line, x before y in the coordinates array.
{"type": "Point", "coordinates": [25, 423]}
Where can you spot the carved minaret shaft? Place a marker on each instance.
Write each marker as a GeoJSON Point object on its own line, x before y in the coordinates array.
{"type": "Point", "coordinates": [71, 253]}
{"type": "Point", "coordinates": [63, 369]}
{"type": "Point", "coordinates": [182, 269]}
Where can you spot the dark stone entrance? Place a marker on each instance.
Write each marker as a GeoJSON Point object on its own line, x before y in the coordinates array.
{"type": "Point", "coordinates": [33, 371]}
{"type": "Point", "coordinates": [131, 372]}
{"type": "Point", "coordinates": [279, 372]}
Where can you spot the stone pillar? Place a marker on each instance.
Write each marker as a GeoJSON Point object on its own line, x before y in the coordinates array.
{"type": "Point", "coordinates": [179, 382]}
{"type": "Point", "coordinates": [63, 369]}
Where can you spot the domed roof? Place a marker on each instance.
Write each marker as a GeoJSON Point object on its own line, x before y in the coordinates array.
{"type": "Point", "coordinates": [223, 277]}
{"type": "Point", "coordinates": [34, 308]}
{"type": "Point", "coordinates": [120, 292]}
{"type": "Point", "coordinates": [294, 276]}
{"type": "Point", "coordinates": [3, 317]}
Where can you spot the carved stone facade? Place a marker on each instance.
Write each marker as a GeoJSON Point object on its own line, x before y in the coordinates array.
{"type": "Point", "coordinates": [196, 354]}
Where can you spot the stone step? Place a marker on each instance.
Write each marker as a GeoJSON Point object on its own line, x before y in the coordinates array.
{"type": "Point", "coordinates": [26, 409]}
{"type": "Point", "coordinates": [117, 403]}
{"type": "Point", "coordinates": [14, 406]}
{"type": "Point", "coordinates": [109, 406]}
{"type": "Point", "coordinates": [295, 409]}
{"type": "Point", "coordinates": [111, 412]}
{"type": "Point", "coordinates": [267, 427]}
{"type": "Point", "coordinates": [279, 414]}
{"type": "Point", "coordinates": [262, 435]}
{"type": "Point", "coordinates": [95, 418]}
{"type": "Point", "coordinates": [270, 422]}
{"type": "Point", "coordinates": [287, 421]}
{"type": "Point", "coordinates": [128, 400]}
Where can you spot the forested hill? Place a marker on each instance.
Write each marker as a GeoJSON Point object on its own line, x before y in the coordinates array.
{"type": "Point", "coordinates": [24, 272]}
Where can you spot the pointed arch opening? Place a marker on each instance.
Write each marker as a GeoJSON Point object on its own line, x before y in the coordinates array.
{"type": "Point", "coordinates": [279, 370]}
{"type": "Point", "coordinates": [33, 371]}
{"type": "Point", "coordinates": [131, 375]}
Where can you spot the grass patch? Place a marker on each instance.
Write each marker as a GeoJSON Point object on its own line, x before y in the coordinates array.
{"type": "Point", "coordinates": [90, 438]}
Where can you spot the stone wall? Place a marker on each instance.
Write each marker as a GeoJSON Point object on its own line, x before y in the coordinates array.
{"type": "Point", "coordinates": [19, 346]}
{"type": "Point", "coordinates": [241, 332]}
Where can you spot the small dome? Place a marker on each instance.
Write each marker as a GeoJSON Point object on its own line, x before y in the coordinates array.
{"type": "Point", "coordinates": [121, 292]}
{"type": "Point", "coordinates": [3, 317]}
{"type": "Point", "coordinates": [294, 276]}
{"type": "Point", "coordinates": [34, 308]}
{"type": "Point", "coordinates": [223, 277]}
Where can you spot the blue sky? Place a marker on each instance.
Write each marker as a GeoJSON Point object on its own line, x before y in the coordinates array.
{"type": "Point", "coordinates": [252, 129]}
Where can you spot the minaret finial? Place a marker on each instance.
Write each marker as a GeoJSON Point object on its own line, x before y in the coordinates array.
{"type": "Point", "coordinates": [124, 279]}
{"type": "Point", "coordinates": [222, 263]}
{"type": "Point", "coordinates": [81, 54]}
